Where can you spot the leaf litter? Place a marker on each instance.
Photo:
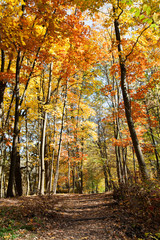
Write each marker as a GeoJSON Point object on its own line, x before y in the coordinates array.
{"type": "Point", "coordinates": [71, 216]}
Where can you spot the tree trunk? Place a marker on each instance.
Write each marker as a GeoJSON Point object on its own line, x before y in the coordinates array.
{"type": "Point", "coordinates": [2, 89]}
{"type": "Point", "coordinates": [68, 160]}
{"type": "Point", "coordinates": [2, 83]}
{"type": "Point", "coordinates": [51, 171]}
{"type": "Point", "coordinates": [124, 157]}
{"type": "Point", "coordinates": [60, 144]}
{"type": "Point", "coordinates": [42, 154]}
{"type": "Point", "coordinates": [69, 175]}
{"type": "Point", "coordinates": [82, 169]}
{"type": "Point", "coordinates": [18, 176]}
{"type": "Point", "coordinates": [27, 160]}
{"type": "Point", "coordinates": [73, 179]}
{"type": "Point", "coordinates": [154, 144]}
{"type": "Point", "coordinates": [2, 170]}
{"type": "Point", "coordinates": [139, 155]}
{"type": "Point", "coordinates": [42, 181]}
{"type": "Point", "coordinates": [52, 162]}
{"type": "Point", "coordinates": [39, 149]}
{"type": "Point", "coordinates": [15, 133]}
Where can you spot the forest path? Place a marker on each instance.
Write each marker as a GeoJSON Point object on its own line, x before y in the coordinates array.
{"type": "Point", "coordinates": [70, 216]}
{"type": "Point", "coordinates": [92, 217]}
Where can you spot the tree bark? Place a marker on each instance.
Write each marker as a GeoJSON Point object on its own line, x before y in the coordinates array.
{"type": "Point", "coordinates": [27, 159]}
{"type": "Point", "coordinates": [2, 170]}
{"type": "Point", "coordinates": [53, 153]}
{"type": "Point", "coordinates": [154, 144]}
{"type": "Point", "coordinates": [42, 181]}
{"type": "Point", "coordinates": [139, 155]}
{"type": "Point", "coordinates": [15, 133]}
{"type": "Point", "coordinates": [2, 83]}
{"type": "Point", "coordinates": [18, 176]}
{"type": "Point", "coordinates": [60, 143]}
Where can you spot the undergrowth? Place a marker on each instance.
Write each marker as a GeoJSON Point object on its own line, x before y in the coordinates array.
{"type": "Point", "coordinates": [143, 201]}
{"type": "Point", "coordinates": [14, 225]}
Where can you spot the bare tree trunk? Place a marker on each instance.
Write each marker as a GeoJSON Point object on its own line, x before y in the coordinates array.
{"type": "Point", "coordinates": [51, 171]}
{"type": "Point", "coordinates": [42, 154]}
{"type": "Point", "coordinates": [154, 144]}
{"type": "Point", "coordinates": [60, 143]}
{"type": "Point", "coordinates": [18, 176]}
{"type": "Point", "coordinates": [68, 160]}
{"type": "Point", "coordinates": [69, 175]}
{"type": "Point", "coordinates": [73, 179]}
{"type": "Point", "coordinates": [2, 153]}
{"type": "Point", "coordinates": [118, 166]}
{"type": "Point", "coordinates": [27, 159]}
{"type": "Point", "coordinates": [16, 132]}
{"type": "Point", "coordinates": [2, 83]}
{"type": "Point", "coordinates": [82, 169]}
{"type": "Point", "coordinates": [42, 185]}
{"type": "Point", "coordinates": [124, 157]}
{"type": "Point", "coordinates": [53, 153]}
{"type": "Point", "coordinates": [39, 149]}
{"type": "Point", "coordinates": [139, 155]}
{"type": "Point", "coordinates": [2, 170]}
{"type": "Point", "coordinates": [134, 165]}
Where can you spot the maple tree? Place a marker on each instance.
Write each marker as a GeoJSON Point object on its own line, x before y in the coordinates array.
{"type": "Point", "coordinates": [120, 11]}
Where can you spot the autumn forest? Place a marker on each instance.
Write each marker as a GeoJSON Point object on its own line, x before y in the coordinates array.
{"type": "Point", "coordinates": [79, 95]}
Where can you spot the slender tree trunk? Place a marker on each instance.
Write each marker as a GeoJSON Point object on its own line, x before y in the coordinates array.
{"type": "Point", "coordinates": [2, 89]}
{"type": "Point", "coordinates": [47, 164]}
{"type": "Point", "coordinates": [154, 144]}
{"type": "Point", "coordinates": [69, 165]}
{"type": "Point", "coordinates": [15, 133]}
{"type": "Point", "coordinates": [42, 181]}
{"type": "Point", "coordinates": [2, 83]}
{"type": "Point", "coordinates": [27, 159]}
{"type": "Point", "coordinates": [2, 183]}
{"type": "Point", "coordinates": [42, 154]}
{"type": "Point", "coordinates": [2, 170]}
{"type": "Point", "coordinates": [124, 157]}
{"type": "Point", "coordinates": [68, 160]}
{"type": "Point", "coordinates": [39, 149]}
{"type": "Point", "coordinates": [82, 168]}
{"type": "Point", "coordinates": [60, 144]}
{"type": "Point", "coordinates": [47, 177]}
{"type": "Point", "coordinates": [53, 153]}
{"type": "Point", "coordinates": [51, 171]}
{"type": "Point", "coordinates": [2, 154]}
{"type": "Point", "coordinates": [73, 179]}
{"type": "Point", "coordinates": [69, 175]}
{"type": "Point", "coordinates": [134, 165]}
{"type": "Point", "coordinates": [139, 155]}
{"type": "Point", "coordinates": [118, 165]}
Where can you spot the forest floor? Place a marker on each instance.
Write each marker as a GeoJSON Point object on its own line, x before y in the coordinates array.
{"type": "Point", "coordinates": [72, 216]}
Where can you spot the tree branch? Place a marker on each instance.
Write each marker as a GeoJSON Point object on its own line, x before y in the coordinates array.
{"type": "Point", "coordinates": [136, 42]}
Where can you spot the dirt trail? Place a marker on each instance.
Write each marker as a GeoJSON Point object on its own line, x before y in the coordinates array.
{"type": "Point", "coordinates": [93, 217]}
{"type": "Point", "coordinates": [73, 216]}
